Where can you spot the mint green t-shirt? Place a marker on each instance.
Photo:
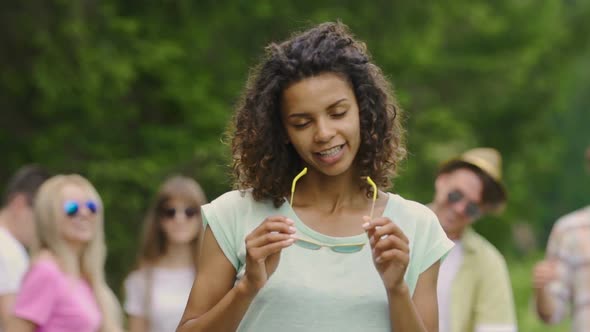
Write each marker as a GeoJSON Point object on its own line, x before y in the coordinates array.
{"type": "Point", "coordinates": [321, 290]}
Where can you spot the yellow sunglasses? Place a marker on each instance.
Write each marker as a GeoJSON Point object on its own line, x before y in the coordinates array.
{"type": "Point", "coordinates": [345, 248]}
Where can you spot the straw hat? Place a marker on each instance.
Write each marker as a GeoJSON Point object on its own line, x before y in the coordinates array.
{"type": "Point", "coordinates": [489, 161]}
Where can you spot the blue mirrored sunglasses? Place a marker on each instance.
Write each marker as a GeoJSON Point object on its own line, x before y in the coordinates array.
{"type": "Point", "coordinates": [71, 208]}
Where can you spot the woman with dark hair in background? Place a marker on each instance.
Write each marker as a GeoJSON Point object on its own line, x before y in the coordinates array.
{"type": "Point", "coordinates": [157, 290]}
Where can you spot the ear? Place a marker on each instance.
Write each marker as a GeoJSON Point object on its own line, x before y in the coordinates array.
{"type": "Point", "coordinates": [19, 204]}
{"type": "Point", "coordinates": [19, 201]}
{"type": "Point", "coordinates": [441, 181]}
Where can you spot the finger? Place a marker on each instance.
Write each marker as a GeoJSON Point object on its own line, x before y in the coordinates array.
{"type": "Point", "coordinates": [279, 218]}
{"type": "Point", "coordinates": [369, 228]}
{"type": "Point", "coordinates": [389, 228]}
{"type": "Point", "coordinates": [267, 238]}
{"type": "Point", "coordinates": [390, 242]}
{"type": "Point", "coordinates": [384, 226]}
{"type": "Point", "coordinates": [394, 255]}
{"type": "Point", "coordinates": [260, 253]}
{"type": "Point", "coordinates": [272, 225]}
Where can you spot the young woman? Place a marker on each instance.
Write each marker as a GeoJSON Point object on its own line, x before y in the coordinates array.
{"type": "Point", "coordinates": [64, 289]}
{"type": "Point", "coordinates": [158, 289]}
{"type": "Point", "coordinates": [300, 251]}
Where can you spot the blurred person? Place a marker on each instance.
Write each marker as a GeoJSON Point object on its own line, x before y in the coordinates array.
{"type": "Point", "coordinates": [309, 241]}
{"type": "Point", "coordinates": [17, 232]}
{"type": "Point", "coordinates": [158, 289]}
{"type": "Point", "coordinates": [474, 289]}
{"type": "Point", "coordinates": [65, 290]}
{"type": "Point", "coordinates": [561, 281]}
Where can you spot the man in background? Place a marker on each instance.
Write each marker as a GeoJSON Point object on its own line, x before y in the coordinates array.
{"type": "Point", "coordinates": [562, 280]}
{"type": "Point", "coordinates": [474, 290]}
{"type": "Point", "coordinates": [17, 231]}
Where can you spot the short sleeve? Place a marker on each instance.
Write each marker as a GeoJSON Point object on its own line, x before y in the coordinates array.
{"type": "Point", "coordinates": [435, 243]}
{"type": "Point", "coordinates": [561, 246]}
{"type": "Point", "coordinates": [39, 292]}
{"type": "Point", "coordinates": [14, 264]}
{"type": "Point", "coordinates": [221, 216]}
{"type": "Point", "coordinates": [9, 281]}
{"type": "Point", "coordinates": [135, 288]}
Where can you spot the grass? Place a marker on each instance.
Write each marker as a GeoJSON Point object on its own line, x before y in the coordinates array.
{"type": "Point", "coordinates": [520, 274]}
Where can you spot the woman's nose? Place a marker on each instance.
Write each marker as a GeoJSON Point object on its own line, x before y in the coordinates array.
{"type": "Point", "coordinates": [324, 132]}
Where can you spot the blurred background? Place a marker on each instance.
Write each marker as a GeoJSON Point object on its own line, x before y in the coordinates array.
{"type": "Point", "coordinates": [127, 92]}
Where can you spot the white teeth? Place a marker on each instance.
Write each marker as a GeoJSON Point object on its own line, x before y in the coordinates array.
{"type": "Point", "coordinates": [331, 152]}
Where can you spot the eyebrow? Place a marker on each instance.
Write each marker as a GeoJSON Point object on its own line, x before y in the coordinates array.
{"type": "Point", "coordinates": [304, 114]}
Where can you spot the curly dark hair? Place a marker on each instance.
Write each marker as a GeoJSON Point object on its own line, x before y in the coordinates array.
{"type": "Point", "coordinates": [263, 161]}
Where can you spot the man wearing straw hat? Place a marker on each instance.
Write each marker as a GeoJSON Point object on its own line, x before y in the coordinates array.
{"type": "Point", "coordinates": [474, 290]}
{"type": "Point", "coordinates": [562, 280]}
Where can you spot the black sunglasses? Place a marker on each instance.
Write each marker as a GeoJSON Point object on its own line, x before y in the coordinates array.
{"type": "Point", "coordinates": [170, 213]}
{"type": "Point", "coordinates": [472, 210]}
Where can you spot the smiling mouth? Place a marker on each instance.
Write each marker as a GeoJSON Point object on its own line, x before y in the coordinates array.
{"type": "Point", "coordinates": [331, 152]}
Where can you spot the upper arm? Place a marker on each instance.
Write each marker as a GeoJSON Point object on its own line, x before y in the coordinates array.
{"type": "Point", "coordinates": [16, 324]}
{"type": "Point", "coordinates": [425, 299]}
{"type": "Point", "coordinates": [563, 248]}
{"type": "Point", "coordinates": [215, 278]}
{"type": "Point", "coordinates": [137, 324]}
{"type": "Point", "coordinates": [135, 293]}
{"type": "Point", "coordinates": [6, 303]}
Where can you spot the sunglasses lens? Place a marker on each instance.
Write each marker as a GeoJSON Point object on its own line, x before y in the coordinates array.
{"type": "Point", "coordinates": [307, 245]}
{"type": "Point", "coordinates": [71, 208]}
{"type": "Point", "coordinates": [455, 196]}
{"type": "Point", "coordinates": [191, 212]}
{"type": "Point", "coordinates": [169, 212]}
{"type": "Point", "coordinates": [347, 249]}
{"type": "Point", "coordinates": [472, 210]}
{"type": "Point", "coordinates": [92, 206]}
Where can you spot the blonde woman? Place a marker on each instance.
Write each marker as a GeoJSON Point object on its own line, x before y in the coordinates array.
{"type": "Point", "coordinates": [65, 289]}
{"type": "Point", "coordinates": [157, 290]}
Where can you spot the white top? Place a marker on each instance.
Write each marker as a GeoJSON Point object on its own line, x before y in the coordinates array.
{"type": "Point", "coordinates": [14, 262]}
{"type": "Point", "coordinates": [448, 268]}
{"type": "Point", "coordinates": [321, 290]}
{"type": "Point", "coordinates": [170, 289]}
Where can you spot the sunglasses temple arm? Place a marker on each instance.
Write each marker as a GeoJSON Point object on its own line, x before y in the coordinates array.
{"type": "Point", "coordinates": [372, 183]}
{"type": "Point", "coordinates": [302, 173]}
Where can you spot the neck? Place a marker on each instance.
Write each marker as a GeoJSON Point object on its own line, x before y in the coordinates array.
{"type": "Point", "coordinates": [329, 193]}
{"type": "Point", "coordinates": [454, 236]}
{"type": "Point", "coordinates": [71, 260]}
{"type": "Point", "coordinates": [177, 256]}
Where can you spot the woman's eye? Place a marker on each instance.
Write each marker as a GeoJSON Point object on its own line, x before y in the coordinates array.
{"type": "Point", "coordinates": [300, 125]}
{"type": "Point", "coordinates": [339, 115]}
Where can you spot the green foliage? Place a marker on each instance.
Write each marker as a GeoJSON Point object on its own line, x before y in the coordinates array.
{"type": "Point", "coordinates": [127, 93]}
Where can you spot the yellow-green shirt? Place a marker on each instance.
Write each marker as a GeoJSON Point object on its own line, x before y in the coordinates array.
{"type": "Point", "coordinates": [481, 294]}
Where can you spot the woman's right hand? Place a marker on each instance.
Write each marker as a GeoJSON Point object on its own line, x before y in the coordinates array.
{"type": "Point", "coordinates": [263, 250]}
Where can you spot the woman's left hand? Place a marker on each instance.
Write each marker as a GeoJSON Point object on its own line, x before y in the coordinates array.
{"type": "Point", "coordinates": [391, 251]}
